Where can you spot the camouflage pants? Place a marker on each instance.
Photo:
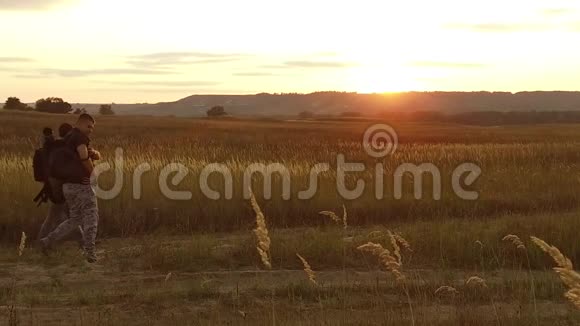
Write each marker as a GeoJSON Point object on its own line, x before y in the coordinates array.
{"type": "Point", "coordinates": [57, 213]}
{"type": "Point", "coordinates": [83, 212]}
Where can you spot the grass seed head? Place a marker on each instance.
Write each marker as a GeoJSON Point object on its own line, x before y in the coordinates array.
{"type": "Point", "coordinates": [396, 249]}
{"type": "Point", "coordinates": [515, 240]}
{"type": "Point", "coordinates": [446, 289]}
{"type": "Point", "coordinates": [308, 270]}
{"type": "Point", "coordinates": [561, 260]}
{"type": "Point", "coordinates": [385, 258]}
{"type": "Point", "coordinates": [261, 232]}
{"type": "Point", "coordinates": [22, 244]}
{"type": "Point", "coordinates": [565, 271]}
{"type": "Point", "coordinates": [402, 241]}
{"type": "Point", "coordinates": [476, 281]}
{"type": "Point", "coordinates": [344, 217]}
{"type": "Point", "coordinates": [332, 216]}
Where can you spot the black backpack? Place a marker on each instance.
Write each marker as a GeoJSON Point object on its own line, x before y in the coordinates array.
{"type": "Point", "coordinates": [40, 164]}
{"type": "Point", "coordinates": [52, 188]}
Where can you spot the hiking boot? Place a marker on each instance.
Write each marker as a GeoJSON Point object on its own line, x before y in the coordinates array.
{"type": "Point", "coordinates": [44, 245]}
{"type": "Point", "coordinates": [91, 257]}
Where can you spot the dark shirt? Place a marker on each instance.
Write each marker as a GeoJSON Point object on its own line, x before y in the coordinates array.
{"type": "Point", "coordinates": [74, 139]}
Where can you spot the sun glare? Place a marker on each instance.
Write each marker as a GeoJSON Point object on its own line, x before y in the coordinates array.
{"type": "Point", "coordinates": [369, 80]}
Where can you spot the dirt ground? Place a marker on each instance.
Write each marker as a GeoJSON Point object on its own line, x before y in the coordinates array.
{"type": "Point", "coordinates": [64, 290]}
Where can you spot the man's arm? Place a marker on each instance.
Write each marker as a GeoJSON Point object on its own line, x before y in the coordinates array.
{"type": "Point", "coordinates": [94, 154]}
{"type": "Point", "coordinates": [84, 156]}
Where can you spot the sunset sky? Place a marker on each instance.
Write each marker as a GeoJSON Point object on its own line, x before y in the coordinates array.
{"type": "Point", "coordinates": [128, 51]}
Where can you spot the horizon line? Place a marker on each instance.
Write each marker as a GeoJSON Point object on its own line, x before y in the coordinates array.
{"type": "Point", "coordinates": [315, 92]}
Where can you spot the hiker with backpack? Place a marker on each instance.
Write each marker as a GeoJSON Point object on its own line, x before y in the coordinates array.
{"type": "Point", "coordinates": [72, 165]}
{"type": "Point", "coordinates": [52, 190]}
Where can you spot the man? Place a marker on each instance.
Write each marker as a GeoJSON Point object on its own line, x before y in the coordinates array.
{"type": "Point", "coordinates": [77, 190]}
{"type": "Point", "coordinates": [58, 211]}
{"type": "Point", "coordinates": [47, 137]}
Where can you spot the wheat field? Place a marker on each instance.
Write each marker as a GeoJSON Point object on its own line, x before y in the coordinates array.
{"type": "Point", "coordinates": [282, 262]}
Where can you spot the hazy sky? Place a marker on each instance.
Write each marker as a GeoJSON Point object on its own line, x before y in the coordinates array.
{"type": "Point", "coordinates": [127, 51]}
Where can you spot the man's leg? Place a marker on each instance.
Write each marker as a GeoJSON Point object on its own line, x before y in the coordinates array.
{"type": "Point", "coordinates": [75, 208]}
{"type": "Point", "coordinates": [57, 213]}
{"type": "Point", "coordinates": [76, 235]}
{"type": "Point", "coordinates": [90, 221]}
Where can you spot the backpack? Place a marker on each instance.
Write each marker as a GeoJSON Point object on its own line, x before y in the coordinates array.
{"type": "Point", "coordinates": [52, 188]}
{"type": "Point", "coordinates": [40, 164]}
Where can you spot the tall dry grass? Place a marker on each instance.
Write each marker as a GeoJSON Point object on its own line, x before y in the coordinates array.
{"type": "Point", "coordinates": [565, 270]}
{"type": "Point", "coordinates": [517, 161]}
{"type": "Point", "coordinates": [519, 244]}
{"type": "Point", "coordinates": [13, 314]}
{"type": "Point", "coordinates": [394, 264]}
{"type": "Point", "coordinates": [308, 270]}
{"type": "Point", "coordinates": [261, 232]}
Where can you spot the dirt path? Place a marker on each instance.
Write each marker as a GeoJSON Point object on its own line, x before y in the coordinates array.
{"type": "Point", "coordinates": [63, 290]}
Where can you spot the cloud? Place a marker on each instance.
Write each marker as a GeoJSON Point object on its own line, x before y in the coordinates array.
{"type": "Point", "coordinates": [30, 4]}
{"type": "Point", "coordinates": [166, 83]}
{"type": "Point", "coordinates": [31, 76]}
{"type": "Point", "coordinates": [310, 64]}
{"type": "Point", "coordinates": [178, 55]}
{"type": "Point", "coordinates": [94, 72]}
{"type": "Point", "coordinates": [182, 58]}
{"type": "Point", "coordinates": [317, 64]}
{"type": "Point", "coordinates": [253, 74]}
{"type": "Point", "coordinates": [497, 27]}
{"type": "Point", "coordinates": [443, 64]}
{"type": "Point", "coordinates": [184, 90]}
{"type": "Point", "coordinates": [14, 59]}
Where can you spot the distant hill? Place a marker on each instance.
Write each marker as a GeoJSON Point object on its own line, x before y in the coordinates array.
{"type": "Point", "coordinates": [331, 103]}
{"type": "Point", "coordinates": [334, 103]}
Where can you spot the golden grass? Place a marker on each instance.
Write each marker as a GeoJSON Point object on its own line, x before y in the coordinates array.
{"type": "Point", "coordinates": [159, 147]}
{"type": "Point", "coordinates": [396, 249]}
{"type": "Point", "coordinates": [476, 281]}
{"type": "Point", "coordinates": [308, 270]}
{"type": "Point", "coordinates": [332, 215]}
{"type": "Point", "coordinates": [195, 143]}
{"type": "Point", "coordinates": [335, 218]}
{"type": "Point", "coordinates": [22, 244]}
{"type": "Point", "coordinates": [261, 232]}
{"type": "Point", "coordinates": [446, 289]}
{"type": "Point", "coordinates": [385, 258]}
{"type": "Point", "coordinates": [565, 270]}
{"type": "Point", "coordinates": [402, 241]}
{"type": "Point", "coordinates": [554, 252]}
{"type": "Point", "coordinates": [515, 240]}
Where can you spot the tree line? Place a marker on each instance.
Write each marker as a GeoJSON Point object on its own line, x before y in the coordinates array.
{"type": "Point", "coordinates": [52, 105]}
{"type": "Point", "coordinates": [481, 118]}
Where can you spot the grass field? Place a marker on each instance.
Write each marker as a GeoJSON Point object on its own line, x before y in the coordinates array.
{"type": "Point", "coordinates": [195, 261]}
